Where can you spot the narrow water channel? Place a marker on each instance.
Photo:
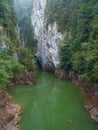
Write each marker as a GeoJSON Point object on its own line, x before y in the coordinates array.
{"type": "Point", "coordinates": [52, 105]}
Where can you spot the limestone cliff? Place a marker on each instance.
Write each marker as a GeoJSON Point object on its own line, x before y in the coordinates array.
{"type": "Point", "coordinates": [48, 39]}
{"type": "Point", "coordinates": [2, 38]}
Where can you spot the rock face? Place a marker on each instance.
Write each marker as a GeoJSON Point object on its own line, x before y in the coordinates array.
{"type": "Point", "coordinates": [3, 36]}
{"type": "Point", "coordinates": [48, 39]}
{"type": "Point", "coordinates": [9, 113]}
{"type": "Point", "coordinates": [91, 105]}
{"type": "Point", "coordinates": [26, 78]}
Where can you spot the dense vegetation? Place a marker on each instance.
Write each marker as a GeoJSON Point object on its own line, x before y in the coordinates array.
{"type": "Point", "coordinates": [8, 17]}
{"type": "Point", "coordinates": [9, 66]}
{"type": "Point", "coordinates": [78, 21]}
{"type": "Point", "coordinates": [25, 32]}
{"type": "Point", "coordinates": [23, 10]}
{"type": "Point", "coordinates": [14, 58]}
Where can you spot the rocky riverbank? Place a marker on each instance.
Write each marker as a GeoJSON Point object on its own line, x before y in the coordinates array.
{"type": "Point", "coordinates": [9, 113]}
{"type": "Point", "coordinates": [26, 78]}
{"type": "Point", "coordinates": [91, 93]}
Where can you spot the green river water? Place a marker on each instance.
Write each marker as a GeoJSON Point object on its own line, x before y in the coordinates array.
{"type": "Point", "coordinates": [51, 105]}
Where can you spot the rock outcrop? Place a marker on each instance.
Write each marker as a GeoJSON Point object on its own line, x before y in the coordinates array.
{"type": "Point", "coordinates": [48, 39]}
{"type": "Point", "coordinates": [26, 78]}
{"type": "Point", "coordinates": [2, 38]}
{"type": "Point", "coordinates": [48, 55]}
{"type": "Point", "coordinates": [9, 113]}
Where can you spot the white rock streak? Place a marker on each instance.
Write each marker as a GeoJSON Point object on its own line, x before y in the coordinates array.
{"type": "Point", "coordinates": [48, 40]}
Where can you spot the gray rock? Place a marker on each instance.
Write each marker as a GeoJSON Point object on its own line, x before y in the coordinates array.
{"type": "Point", "coordinates": [48, 39]}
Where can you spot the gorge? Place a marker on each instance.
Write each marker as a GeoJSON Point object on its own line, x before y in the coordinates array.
{"type": "Point", "coordinates": [55, 36]}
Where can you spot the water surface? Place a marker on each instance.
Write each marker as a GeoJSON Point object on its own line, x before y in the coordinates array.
{"type": "Point", "coordinates": [52, 105]}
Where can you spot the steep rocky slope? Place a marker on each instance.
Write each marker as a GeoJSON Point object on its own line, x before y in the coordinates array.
{"type": "Point", "coordinates": [48, 39]}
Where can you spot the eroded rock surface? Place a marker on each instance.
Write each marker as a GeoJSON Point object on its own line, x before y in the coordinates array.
{"type": "Point", "coordinates": [48, 39]}
{"type": "Point", "coordinates": [9, 113]}
{"type": "Point", "coordinates": [26, 78]}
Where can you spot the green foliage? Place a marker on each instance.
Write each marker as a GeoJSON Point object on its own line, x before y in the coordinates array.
{"type": "Point", "coordinates": [3, 78]}
{"type": "Point", "coordinates": [26, 35]}
{"type": "Point", "coordinates": [26, 58]}
{"type": "Point", "coordinates": [78, 19]}
{"type": "Point", "coordinates": [17, 68]}
{"type": "Point", "coordinates": [65, 54]}
{"type": "Point", "coordinates": [9, 68]}
{"type": "Point", "coordinates": [8, 17]}
{"type": "Point", "coordinates": [78, 60]}
{"type": "Point", "coordinates": [24, 10]}
{"type": "Point", "coordinates": [8, 23]}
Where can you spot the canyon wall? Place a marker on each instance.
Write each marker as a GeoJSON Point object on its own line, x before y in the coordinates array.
{"type": "Point", "coordinates": [48, 39]}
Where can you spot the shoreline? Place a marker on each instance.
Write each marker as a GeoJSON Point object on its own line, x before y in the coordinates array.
{"type": "Point", "coordinates": [91, 102]}
{"type": "Point", "coordinates": [9, 113]}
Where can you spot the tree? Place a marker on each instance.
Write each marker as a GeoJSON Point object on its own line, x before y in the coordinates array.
{"type": "Point", "coordinates": [78, 22]}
